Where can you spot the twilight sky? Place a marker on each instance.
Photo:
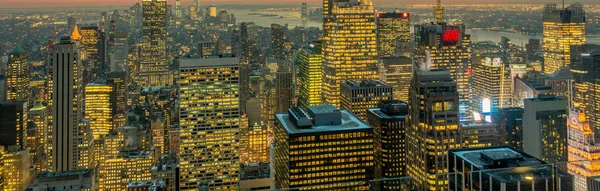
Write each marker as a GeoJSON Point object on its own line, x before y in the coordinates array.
{"type": "Point", "coordinates": [76, 3]}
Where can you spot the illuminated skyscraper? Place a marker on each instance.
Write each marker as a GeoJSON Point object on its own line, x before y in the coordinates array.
{"type": "Point", "coordinates": [545, 128]}
{"type": "Point", "coordinates": [393, 34]}
{"type": "Point", "coordinates": [91, 41]}
{"type": "Point", "coordinates": [304, 14]}
{"type": "Point", "coordinates": [17, 76]}
{"type": "Point", "coordinates": [212, 11]}
{"type": "Point", "coordinates": [327, 134]}
{"type": "Point", "coordinates": [434, 128]}
{"type": "Point", "coordinates": [178, 10]}
{"type": "Point", "coordinates": [510, 121]}
{"type": "Point", "coordinates": [154, 66]}
{"type": "Point", "coordinates": [13, 124]}
{"type": "Point", "coordinates": [588, 86]}
{"type": "Point", "coordinates": [284, 89]}
{"type": "Point", "coordinates": [349, 45]}
{"type": "Point", "coordinates": [491, 84]}
{"type": "Point", "coordinates": [310, 75]}
{"type": "Point", "coordinates": [38, 115]}
{"type": "Point", "coordinates": [129, 166]}
{"type": "Point", "coordinates": [444, 46]}
{"type": "Point", "coordinates": [562, 29]}
{"type": "Point", "coordinates": [278, 43]}
{"type": "Point", "coordinates": [582, 148]}
{"type": "Point", "coordinates": [118, 98]}
{"type": "Point", "coordinates": [360, 95]}
{"type": "Point", "coordinates": [581, 72]}
{"type": "Point", "coordinates": [16, 169]}
{"type": "Point", "coordinates": [66, 106]}
{"type": "Point", "coordinates": [98, 108]}
{"type": "Point", "coordinates": [397, 72]}
{"type": "Point", "coordinates": [389, 121]}
{"type": "Point", "coordinates": [209, 119]}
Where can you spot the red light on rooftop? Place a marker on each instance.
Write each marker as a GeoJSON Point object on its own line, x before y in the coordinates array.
{"type": "Point", "coordinates": [404, 15]}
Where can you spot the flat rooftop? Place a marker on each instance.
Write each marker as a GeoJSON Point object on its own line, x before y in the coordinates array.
{"type": "Point", "coordinates": [210, 61]}
{"type": "Point", "coordinates": [474, 156]}
{"type": "Point", "coordinates": [349, 123]}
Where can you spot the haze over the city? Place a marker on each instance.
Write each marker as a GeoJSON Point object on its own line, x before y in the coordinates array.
{"type": "Point", "coordinates": [71, 3]}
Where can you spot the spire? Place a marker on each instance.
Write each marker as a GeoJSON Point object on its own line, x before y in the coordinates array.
{"type": "Point", "coordinates": [76, 35]}
{"type": "Point", "coordinates": [439, 12]}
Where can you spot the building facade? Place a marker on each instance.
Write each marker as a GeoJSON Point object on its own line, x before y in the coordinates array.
{"type": "Point", "coordinates": [545, 124]}
{"type": "Point", "coordinates": [360, 95]}
{"type": "Point", "coordinates": [154, 66]}
{"type": "Point", "coordinates": [310, 75]}
{"type": "Point", "coordinates": [562, 28]}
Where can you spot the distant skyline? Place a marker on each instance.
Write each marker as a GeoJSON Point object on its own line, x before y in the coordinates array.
{"type": "Point", "coordinates": [77, 3]}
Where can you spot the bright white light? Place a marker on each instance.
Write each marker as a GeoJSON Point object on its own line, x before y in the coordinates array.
{"type": "Point", "coordinates": [487, 105]}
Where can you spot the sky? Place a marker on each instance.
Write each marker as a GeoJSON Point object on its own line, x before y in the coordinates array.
{"type": "Point", "coordinates": [77, 3]}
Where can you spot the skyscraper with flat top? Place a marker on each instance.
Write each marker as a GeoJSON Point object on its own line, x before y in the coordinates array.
{"type": "Point", "coordinates": [66, 106]}
{"type": "Point", "coordinates": [154, 66]}
{"type": "Point", "coordinates": [360, 95]}
{"type": "Point", "coordinates": [209, 119]}
{"type": "Point", "coordinates": [491, 84]}
{"type": "Point", "coordinates": [393, 34]}
{"type": "Point", "coordinates": [98, 108]}
{"type": "Point", "coordinates": [349, 45]}
{"type": "Point", "coordinates": [310, 75]}
{"type": "Point", "coordinates": [562, 28]}
{"type": "Point", "coordinates": [545, 128]}
{"type": "Point", "coordinates": [17, 76]}
{"type": "Point", "coordinates": [434, 129]}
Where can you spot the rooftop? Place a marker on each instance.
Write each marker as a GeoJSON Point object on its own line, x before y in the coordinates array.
{"type": "Point", "coordinates": [254, 171]}
{"type": "Point", "coordinates": [210, 61]}
{"type": "Point", "coordinates": [365, 83]}
{"type": "Point", "coordinates": [18, 49]}
{"type": "Point", "coordinates": [349, 122]}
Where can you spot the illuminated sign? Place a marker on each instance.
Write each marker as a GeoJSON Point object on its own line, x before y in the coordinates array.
{"type": "Point", "coordinates": [486, 104]}
{"type": "Point", "coordinates": [450, 36]}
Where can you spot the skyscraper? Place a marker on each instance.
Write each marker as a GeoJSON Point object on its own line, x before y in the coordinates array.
{"type": "Point", "coordinates": [545, 127]}
{"type": "Point", "coordinates": [209, 119]}
{"type": "Point", "coordinates": [562, 28]}
{"type": "Point", "coordinates": [397, 72]}
{"type": "Point", "coordinates": [510, 121]}
{"type": "Point", "coordinates": [389, 121]}
{"type": "Point", "coordinates": [434, 128]}
{"type": "Point", "coordinates": [154, 66]}
{"type": "Point", "coordinates": [349, 45]}
{"type": "Point", "coordinates": [580, 71]}
{"type": "Point", "coordinates": [581, 149]}
{"type": "Point", "coordinates": [444, 46]}
{"type": "Point", "coordinates": [91, 41]}
{"type": "Point", "coordinates": [13, 124]}
{"type": "Point", "coordinates": [118, 98]}
{"type": "Point", "coordinates": [178, 10]}
{"type": "Point", "coordinates": [17, 76]}
{"type": "Point", "coordinates": [360, 95]}
{"type": "Point", "coordinates": [491, 84]}
{"type": "Point", "coordinates": [38, 115]}
{"type": "Point", "coordinates": [284, 89]}
{"type": "Point", "coordinates": [310, 75]}
{"type": "Point", "coordinates": [587, 83]}
{"type": "Point", "coordinates": [278, 43]}
{"type": "Point", "coordinates": [393, 34]}
{"type": "Point", "coordinates": [321, 131]}
{"type": "Point", "coordinates": [98, 108]}
{"type": "Point", "coordinates": [66, 106]}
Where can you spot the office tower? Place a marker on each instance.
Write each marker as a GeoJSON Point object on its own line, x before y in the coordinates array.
{"type": "Point", "coordinates": [479, 133]}
{"type": "Point", "coordinates": [208, 49]}
{"type": "Point", "coordinates": [532, 47]}
{"type": "Point", "coordinates": [17, 76]}
{"type": "Point", "coordinates": [439, 12]}
{"type": "Point", "coordinates": [178, 11]}
{"type": "Point", "coordinates": [253, 142]}
{"type": "Point", "coordinates": [154, 66]}
{"type": "Point", "coordinates": [545, 127]}
{"type": "Point", "coordinates": [503, 168]}
{"type": "Point", "coordinates": [13, 124]}
{"type": "Point", "coordinates": [98, 108]}
{"type": "Point", "coordinates": [434, 128]}
{"type": "Point", "coordinates": [581, 149]}
{"type": "Point", "coordinates": [393, 34]}
{"type": "Point", "coordinates": [248, 45]}
{"type": "Point", "coordinates": [321, 131]}
{"type": "Point", "coordinates": [38, 115]}
{"type": "Point", "coordinates": [244, 87]}
{"type": "Point", "coordinates": [284, 88]}
{"type": "Point", "coordinates": [397, 72]}
{"type": "Point", "coordinates": [491, 83]}
{"type": "Point", "coordinates": [118, 98]}
{"type": "Point", "coordinates": [349, 45]}
{"type": "Point", "coordinates": [129, 166]}
{"type": "Point", "coordinates": [209, 117]}
{"type": "Point", "coordinates": [562, 84]}
{"type": "Point", "coordinates": [310, 75]}
{"type": "Point", "coordinates": [119, 59]}
{"type": "Point", "coordinates": [304, 14]}
{"type": "Point", "coordinates": [278, 43]}
{"type": "Point", "coordinates": [90, 40]}
{"type": "Point", "coordinates": [212, 11]}
{"type": "Point", "coordinates": [389, 121]}
{"type": "Point", "coordinates": [510, 122]}
{"type": "Point", "coordinates": [586, 71]}
{"type": "Point", "coordinates": [193, 14]}
{"type": "Point", "coordinates": [444, 46]}
{"type": "Point", "coordinates": [16, 168]}
{"type": "Point", "coordinates": [66, 106]}
{"type": "Point", "coordinates": [360, 95]}
{"type": "Point", "coordinates": [562, 29]}
{"type": "Point", "coordinates": [82, 180]}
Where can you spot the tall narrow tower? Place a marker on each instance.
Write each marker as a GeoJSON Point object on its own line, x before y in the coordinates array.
{"type": "Point", "coordinates": [17, 76]}
{"type": "Point", "coordinates": [154, 67]}
{"type": "Point", "coordinates": [439, 12]}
